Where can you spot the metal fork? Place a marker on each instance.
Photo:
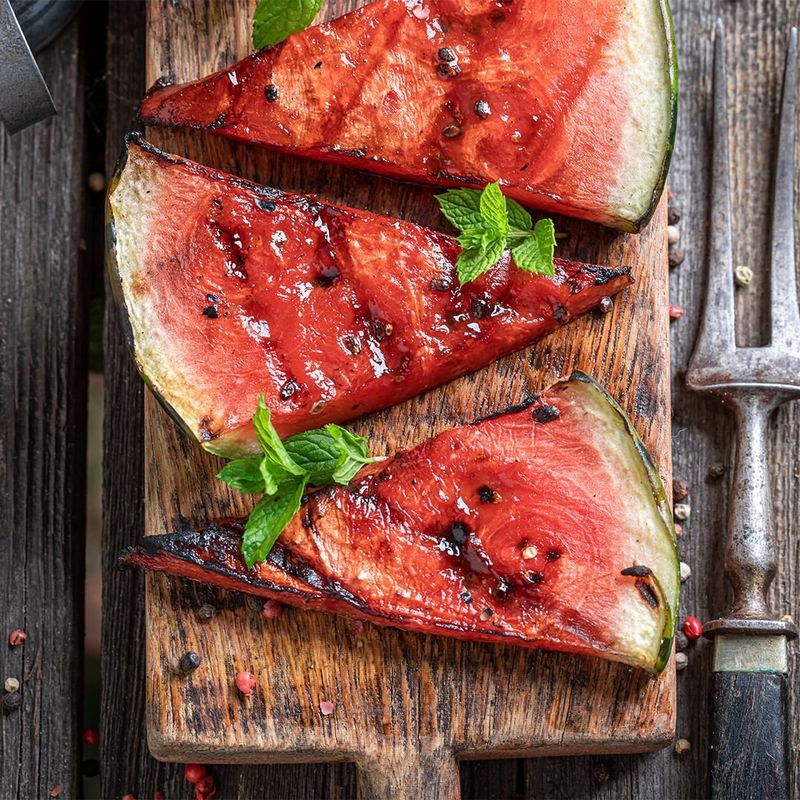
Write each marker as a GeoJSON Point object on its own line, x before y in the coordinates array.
{"type": "Point", "coordinates": [749, 756]}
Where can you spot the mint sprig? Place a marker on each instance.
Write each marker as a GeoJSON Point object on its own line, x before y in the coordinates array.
{"type": "Point", "coordinates": [274, 20]}
{"type": "Point", "coordinates": [313, 458]}
{"type": "Point", "coordinates": [491, 223]}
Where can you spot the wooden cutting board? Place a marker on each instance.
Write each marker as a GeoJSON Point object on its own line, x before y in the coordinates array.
{"type": "Point", "coordinates": [406, 706]}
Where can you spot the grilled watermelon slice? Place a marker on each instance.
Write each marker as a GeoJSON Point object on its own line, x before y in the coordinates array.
{"type": "Point", "coordinates": [571, 104]}
{"type": "Point", "coordinates": [544, 526]}
{"type": "Point", "coordinates": [233, 291]}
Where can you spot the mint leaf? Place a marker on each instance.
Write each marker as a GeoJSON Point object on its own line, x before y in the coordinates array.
{"type": "Point", "coordinates": [493, 209]}
{"type": "Point", "coordinates": [534, 253]}
{"type": "Point", "coordinates": [317, 452]}
{"type": "Point", "coordinates": [475, 238]}
{"type": "Point", "coordinates": [268, 519]}
{"type": "Point", "coordinates": [472, 264]}
{"type": "Point", "coordinates": [355, 452]}
{"type": "Point", "coordinates": [274, 20]}
{"type": "Point", "coordinates": [518, 218]}
{"type": "Point", "coordinates": [462, 207]}
{"type": "Point", "coordinates": [270, 442]}
{"type": "Point", "coordinates": [243, 474]}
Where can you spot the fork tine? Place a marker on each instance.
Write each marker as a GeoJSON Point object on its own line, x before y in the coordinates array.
{"type": "Point", "coordinates": [783, 283]}
{"type": "Point", "coordinates": [717, 327]}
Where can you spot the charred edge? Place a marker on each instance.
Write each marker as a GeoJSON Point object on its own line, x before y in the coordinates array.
{"type": "Point", "coordinates": [604, 275]}
{"type": "Point", "coordinates": [523, 406]}
{"type": "Point", "coordinates": [637, 571]}
{"type": "Point", "coordinates": [545, 413]}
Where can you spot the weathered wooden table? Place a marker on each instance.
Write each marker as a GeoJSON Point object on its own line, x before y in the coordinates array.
{"type": "Point", "coordinates": [51, 244]}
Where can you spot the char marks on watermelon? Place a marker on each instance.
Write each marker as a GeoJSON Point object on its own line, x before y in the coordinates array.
{"type": "Point", "coordinates": [545, 526]}
{"type": "Point", "coordinates": [233, 291]}
{"type": "Point", "coordinates": [571, 104]}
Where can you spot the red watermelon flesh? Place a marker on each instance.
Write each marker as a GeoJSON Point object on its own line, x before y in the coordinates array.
{"type": "Point", "coordinates": [233, 291]}
{"type": "Point", "coordinates": [571, 104]}
{"type": "Point", "coordinates": [544, 526]}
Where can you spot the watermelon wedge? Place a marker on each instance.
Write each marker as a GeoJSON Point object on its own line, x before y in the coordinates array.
{"type": "Point", "coordinates": [545, 526]}
{"type": "Point", "coordinates": [570, 104]}
{"type": "Point", "coordinates": [233, 291]}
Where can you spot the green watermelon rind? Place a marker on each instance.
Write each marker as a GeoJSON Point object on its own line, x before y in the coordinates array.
{"type": "Point", "coordinates": [663, 508]}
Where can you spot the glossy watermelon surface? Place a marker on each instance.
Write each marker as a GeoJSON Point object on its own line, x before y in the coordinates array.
{"type": "Point", "coordinates": [544, 526]}
{"type": "Point", "coordinates": [570, 104]}
{"type": "Point", "coordinates": [232, 291]}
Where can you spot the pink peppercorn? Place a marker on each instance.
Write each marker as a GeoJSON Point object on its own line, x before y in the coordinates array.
{"type": "Point", "coordinates": [272, 609]}
{"type": "Point", "coordinates": [693, 628]}
{"type": "Point", "coordinates": [326, 708]}
{"type": "Point", "coordinates": [17, 637]}
{"type": "Point", "coordinates": [91, 736]}
{"type": "Point", "coordinates": [245, 683]}
{"type": "Point", "coordinates": [205, 788]}
{"type": "Point", "coordinates": [194, 772]}
{"type": "Point", "coordinates": [159, 796]}
{"type": "Point", "coordinates": [676, 312]}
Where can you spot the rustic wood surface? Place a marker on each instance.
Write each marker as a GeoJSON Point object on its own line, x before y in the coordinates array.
{"type": "Point", "coordinates": [42, 438]}
{"type": "Point", "coordinates": [40, 745]}
{"type": "Point", "coordinates": [405, 704]}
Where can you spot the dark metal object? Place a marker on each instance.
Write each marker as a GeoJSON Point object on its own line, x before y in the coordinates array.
{"type": "Point", "coordinates": [42, 20]}
{"type": "Point", "coordinates": [24, 96]}
{"type": "Point", "coordinates": [750, 641]}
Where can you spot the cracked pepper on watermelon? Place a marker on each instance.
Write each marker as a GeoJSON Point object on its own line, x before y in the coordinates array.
{"type": "Point", "coordinates": [545, 526]}
{"type": "Point", "coordinates": [233, 290]}
{"type": "Point", "coordinates": [570, 104]}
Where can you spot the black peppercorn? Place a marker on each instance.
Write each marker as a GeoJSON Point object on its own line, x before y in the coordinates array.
{"type": "Point", "coordinates": [12, 701]}
{"type": "Point", "coordinates": [189, 662]}
{"type": "Point", "coordinates": [271, 93]}
{"type": "Point", "coordinates": [91, 767]}
{"type": "Point", "coordinates": [206, 611]}
{"type": "Point", "coordinates": [446, 54]}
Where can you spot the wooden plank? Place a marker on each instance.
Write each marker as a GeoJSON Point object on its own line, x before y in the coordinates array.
{"type": "Point", "coordinates": [588, 705]}
{"type": "Point", "coordinates": [42, 439]}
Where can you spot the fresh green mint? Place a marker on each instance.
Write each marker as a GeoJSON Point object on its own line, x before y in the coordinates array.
{"type": "Point", "coordinates": [314, 458]}
{"type": "Point", "coordinates": [491, 223]}
{"type": "Point", "coordinates": [274, 20]}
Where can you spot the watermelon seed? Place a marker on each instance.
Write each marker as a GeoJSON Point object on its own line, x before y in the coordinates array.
{"type": "Point", "coordinates": [531, 551]}
{"type": "Point", "coordinates": [265, 205]}
{"type": "Point", "coordinates": [487, 495]}
{"type": "Point", "coordinates": [545, 413]}
{"type": "Point", "coordinates": [271, 92]}
{"type": "Point", "coordinates": [466, 596]}
{"type": "Point", "coordinates": [646, 591]}
{"type": "Point", "coordinates": [451, 131]}
{"type": "Point", "coordinates": [211, 312]}
{"type": "Point", "coordinates": [440, 284]}
{"type": "Point", "coordinates": [289, 388]}
{"type": "Point", "coordinates": [486, 614]}
{"type": "Point", "coordinates": [459, 532]}
{"type": "Point", "coordinates": [446, 54]}
{"type": "Point", "coordinates": [637, 571]}
{"type": "Point", "coordinates": [534, 578]}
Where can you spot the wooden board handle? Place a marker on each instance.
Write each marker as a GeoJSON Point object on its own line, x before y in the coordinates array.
{"type": "Point", "coordinates": [432, 775]}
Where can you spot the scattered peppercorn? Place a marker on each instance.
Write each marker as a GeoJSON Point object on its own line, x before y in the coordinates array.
{"type": "Point", "coordinates": [682, 746]}
{"type": "Point", "coordinates": [606, 305]}
{"type": "Point", "coordinates": [693, 628]}
{"type": "Point", "coordinates": [676, 312]}
{"type": "Point", "coordinates": [681, 642]}
{"type": "Point", "coordinates": [271, 92]}
{"type": "Point", "coordinates": [253, 603]}
{"type": "Point", "coordinates": [446, 54]}
{"type": "Point", "coordinates": [326, 708]}
{"type": "Point", "coordinates": [482, 109]}
{"type": "Point", "coordinates": [673, 215]}
{"type": "Point", "coordinates": [448, 70]}
{"type": "Point", "coordinates": [189, 662]}
{"type": "Point", "coordinates": [680, 490]}
{"type": "Point", "coordinates": [486, 494]}
{"type": "Point", "coordinates": [678, 530]}
{"type": "Point", "coordinates": [17, 637]}
{"type": "Point", "coordinates": [90, 767]}
{"type": "Point", "coordinates": [12, 701]}
{"type": "Point", "coordinates": [716, 470]}
{"type": "Point", "coordinates": [205, 788]}
{"type": "Point", "coordinates": [686, 572]}
{"type": "Point", "coordinates": [193, 772]}
{"type": "Point", "coordinates": [128, 797]}
{"type": "Point", "coordinates": [545, 413]}
{"type": "Point", "coordinates": [451, 131]}
{"type": "Point", "coordinates": [272, 609]}
{"type": "Point", "coordinates": [742, 276]}
{"type": "Point", "coordinates": [96, 181]}
{"type": "Point", "coordinates": [206, 611]}
{"type": "Point", "coordinates": [673, 234]}
{"type": "Point", "coordinates": [440, 284]}
{"type": "Point", "coordinates": [681, 661]}
{"type": "Point", "coordinates": [56, 790]}
{"type": "Point", "coordinates": [676, 257]}
{"type": "Point", "coordinates": [245, 683]}
{"type": "Point", "coordinates": [159, 796]}
{"type": "Point", "coordinates": [11, 685]}
{"type": "Point", "coordinates": [91, 736]}
{"type": "Point", "coordinates": [682, 511]}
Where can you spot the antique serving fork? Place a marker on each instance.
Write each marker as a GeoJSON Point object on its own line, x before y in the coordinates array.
{"type": "Point", "coordinates": [750, 728]}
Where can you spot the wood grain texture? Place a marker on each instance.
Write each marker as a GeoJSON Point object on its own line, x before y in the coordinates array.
{"type": "Point", "coordinates": [405, 704]}
{"type": "Point", "coordinates": [42, 438]}
{"type": "Point", "coordinates": [757, 30]}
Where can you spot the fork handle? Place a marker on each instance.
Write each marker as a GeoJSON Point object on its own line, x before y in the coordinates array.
{"type": "Point", "coordinates": [749, 741]}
